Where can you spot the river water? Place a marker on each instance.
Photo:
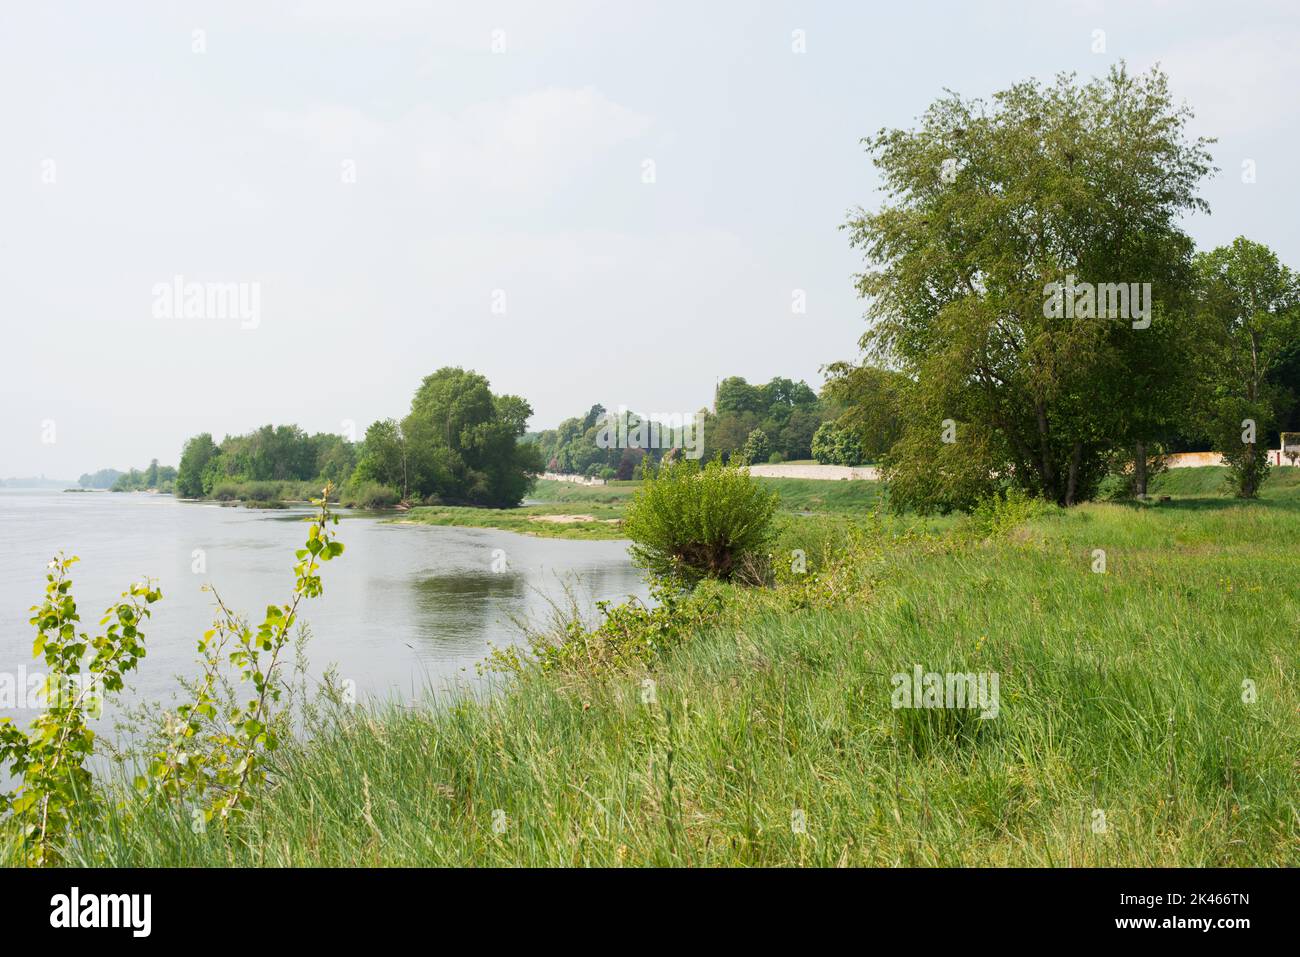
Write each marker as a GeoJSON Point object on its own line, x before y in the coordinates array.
{"type": "Point", "coordinates": [407, 608]}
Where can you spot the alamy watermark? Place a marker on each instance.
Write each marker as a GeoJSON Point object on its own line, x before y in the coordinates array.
{"type": "Point", "coordinates": [657, 430]}
{"type": "Point", "coordinates": [75, 909]}
{"type": "Point", "coordinates": [179, 299]}
{"type": "Point", "coordinates": [1107, 300]}
{"type": "Point", "coordinates": [36, 691]}
{"type": "Point", "coordinates": [951, 689]}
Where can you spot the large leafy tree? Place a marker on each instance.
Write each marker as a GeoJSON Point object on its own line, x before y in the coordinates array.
{"type": "Point", "coordinates": [463, 441]}
{"type": "Point", "coordinates": [198, 452]}
{"type": "Point", "coordinates": [868, 400]}
{"type": "Point", "coordinates": [1250, 311]}
{"type": "Point", "coordinates": [385, 457]}
{"type": "Point", "coordinates": [989, 203]}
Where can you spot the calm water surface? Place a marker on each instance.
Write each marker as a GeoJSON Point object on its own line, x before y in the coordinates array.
{"type": "Point", "coordinates": [406, 608]}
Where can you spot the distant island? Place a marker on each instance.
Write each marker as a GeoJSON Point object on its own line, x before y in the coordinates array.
{"type": "Point", "coordinates": [157, 478]}
{"type": "Point", "coordinates": [41, 482]}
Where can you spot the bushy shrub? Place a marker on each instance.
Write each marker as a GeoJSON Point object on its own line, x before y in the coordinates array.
{"type": "Point", "coordinates": [997, 515]}
{"type": "Point", "coordinates": [1247, 462]}
{"type": "Point", "coordinates": [260, 491]}
{"type": "Point", "coordinates": [226, 491]}
{"type": "Point", "coordinates": [832, 445]}
{"type": "Point", "coordinates": [371, 495]}
{"type": "Point", "coordinates": [757, 448]}
{"type": "Point", "coordinates": [688, 523]}
{"type": "Point", "coordinates": [628, 636]}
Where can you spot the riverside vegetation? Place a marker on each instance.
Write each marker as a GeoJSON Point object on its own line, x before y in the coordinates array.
{"type": "Point", "coordinates": [566, 510]}
{"type": "Point", "coordinates": [1149, 713]}
{"type": "Point", "coordinates": [206, 760]}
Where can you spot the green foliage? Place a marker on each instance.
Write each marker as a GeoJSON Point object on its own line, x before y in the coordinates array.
{"type": "Point", "coordinates": [56, 790]}
{"type": "Point", "coordinates": [868, 400]}
{"type": "Point", "coordinates": [833, 445]}
{"type": "Point", "coordinates": [1250, 312]}
{"type": "Point", "coordinates": [385, 459]}
{"type": "Point", "coordinates": [688, 523]}
{"type": "Point", "coordinates": [154, 478]}
{"type": "Point", "coordinates": [1248, 462]}
{"type": "Point", "coordinates": [630, 635]}
{"type": "Point", "coordinates": [990, 203]}
{"type": "Point", "coordinates": [217, 748]}
{"type": "Point", "coordinates": [195, 458]}
{"type": "Point", "coordinates": [997, 515]}
{"type": "Point", "coordinates": [460, 443]}
{"type": "Point", "coordinates": [756, 450]}
{"type": "Point", "coordinates": [786, 412]}
{"type": "Point", "coordinates": [281, 454]}
{"type": "Point", "coordinates": [370, 495]}
{"type": "Point", "coordinates": [588, 445]}
{"type": "Point", "coordinates": [926, 475]}
{"type": "Point", "coordinates": [104, 478]}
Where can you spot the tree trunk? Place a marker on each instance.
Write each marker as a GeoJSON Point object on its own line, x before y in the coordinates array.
{"type": "Point", "coordinates": [1045, 455]}
{"type": "Point", "coordinates": [1140, 469]}
{"type": "Point", "coordinates": [1072, 482]}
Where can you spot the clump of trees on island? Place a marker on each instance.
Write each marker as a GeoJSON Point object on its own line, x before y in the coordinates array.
{"type": "Point", "coordinates": [156, 478]}
{"type": "Point", "coordinates": [458, 445]}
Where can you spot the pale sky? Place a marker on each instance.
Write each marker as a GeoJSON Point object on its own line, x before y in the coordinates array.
{"type": "Point", "coordinates": [511, 177]}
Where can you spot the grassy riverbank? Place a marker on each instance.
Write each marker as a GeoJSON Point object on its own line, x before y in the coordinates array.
{"type": "Point", "coordinates": [586, 520]}
{"type": "Point", "coordinates": [596, 511]}
{"type": "Point", "coordinates": [1123, 736]}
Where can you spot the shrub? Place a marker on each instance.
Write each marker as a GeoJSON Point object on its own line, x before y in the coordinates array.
{"type": "Point", "coordinates": [757, 448]}
{"type": "Point", "coordinates": [261, 491]}
{"type": "Point", "coordinates": [371, 495]}
{"type": "Point", "coordinates": [1247, 462]}
{"type": "Point", "coordinates": [49, 761]}
{"type": "Point", "coordinates": [205, 759]}
{"type": "Point", "coordinates": [688, 523]}
{"type": "Point", "coordinates": [832, 445]}
{"type": "Point", "coordinates": [629, 636]}
{"type": "Point", "coordinates": [998, 515]}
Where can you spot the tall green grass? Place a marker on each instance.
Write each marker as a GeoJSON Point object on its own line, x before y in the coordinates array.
{"type": "Point", "coordinates": [1121, 701]}
{"type": "Point", "coordinates": [1211, 481]}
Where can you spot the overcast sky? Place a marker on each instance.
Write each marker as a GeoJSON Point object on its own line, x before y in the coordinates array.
{"type": "Point", "coordinates": [413, 185]}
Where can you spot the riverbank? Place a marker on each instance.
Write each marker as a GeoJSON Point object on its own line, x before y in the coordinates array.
{"type": "Point", "coordinates": [569, 510]}
{"type": "Point", "coordinates": [1147, 715]}
{"type": "Point", "coordinates": [588, 521]}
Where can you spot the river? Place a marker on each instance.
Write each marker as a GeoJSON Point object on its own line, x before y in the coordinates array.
{"type": "Point", "coordinates": [406, 609]}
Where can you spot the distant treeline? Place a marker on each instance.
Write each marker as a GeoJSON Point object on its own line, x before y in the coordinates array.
{"type": "Point", "coordinates": [749, 424]}
{"type": "Point", "coordinates": [272, 453]}
{"type": "Point", "coordinates": [104, 478]}
{"type": "Point", "coordinates": [161, 478]}
{"type": "Point", "coordinates": [32, 482]}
